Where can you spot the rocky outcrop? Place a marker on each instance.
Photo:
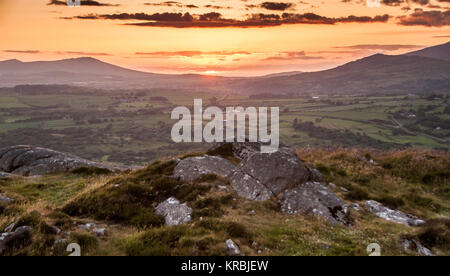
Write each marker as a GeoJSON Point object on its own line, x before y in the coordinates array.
{"type": "Point", "coordinates": [174, 212]}
{"type": "Point", "coordinates": [318, 199]}
{"type": "Point", "coordinates": [194, 168]}
{"type": "Point", "coordinates": [19, 238]}
{"type": "Point", "coordinates": [232, 248]}
{"type": "Point", "coordinates": [261, 176]}
{"type": "Point", "coordinates": [29, 161]}
{"type": "Point", "coordinates": [392, 215]}
{"type": "Point", "coordinates": [414, 245]}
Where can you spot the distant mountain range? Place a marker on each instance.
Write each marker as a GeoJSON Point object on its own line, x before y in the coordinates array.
{"type": "Point", "coordinates": [424, 71]}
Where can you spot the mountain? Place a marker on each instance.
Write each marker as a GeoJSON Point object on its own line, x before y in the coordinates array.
{"type": "Point", "coordinates": [374, 74]}
{"type": "Point", "coordinates": [87, 71]}
{"type": "Point", "coordinates": [441, 52]}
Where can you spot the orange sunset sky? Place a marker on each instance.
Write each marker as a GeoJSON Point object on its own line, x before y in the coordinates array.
{"type": "Point", "coordinates": [223, 37]}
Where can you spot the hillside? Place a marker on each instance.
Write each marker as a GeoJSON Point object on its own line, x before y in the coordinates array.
{"type": "Point", "coordinates": [114, 213]}
{"type": "Point", "coordinates": [441, 52]}
{"type": "Point", "coordinates": [376, 74]}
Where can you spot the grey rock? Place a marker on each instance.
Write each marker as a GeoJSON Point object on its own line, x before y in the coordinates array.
{"type": "Point", "coordinates": [10, 227]}
{"type": "Point", "coordinates": [314, 174]}
{"type": "Point", "coordinates": [5, 200]}
{"type": "Point", "coordinates": [31, 161]}
{"type": "Point", "coordinates": [356, 207]}
{"type": "Point", "coordinates": [223, 188]}
{"type": "Point", "coordinates": [392, 215]}
{"type": "Point", "coordinates": [317, 199]}
{"type": "Point", "coordinates": [261, 176]}
{"type": "Point", "coordinates": [55, 230]}
{"type": "Point", "coordinates": [414, 245]}
{"type": "Point", "coordinates": [5, 175]}
{"type": "Point", "coordinates": [87, 226]}
{"type": "Point", "coordinates": [20, 237]}
{"type": "Point", "coordinates": [60, 242]}
{"type": "Point", "coordinates": [232, 248]}
{"type": "Point", "coordinates": [194, 168]}
{"type": "Point", "coordinates": [174, 212]}
{"type": "Point", "coordinates": [100, 232]}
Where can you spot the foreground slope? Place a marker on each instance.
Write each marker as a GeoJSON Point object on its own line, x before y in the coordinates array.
{"type": "Point", "coordinates": [117, 213]}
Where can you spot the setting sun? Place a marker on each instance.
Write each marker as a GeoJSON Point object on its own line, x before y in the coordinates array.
{"type": "Point", "coordinates": [210, 72]}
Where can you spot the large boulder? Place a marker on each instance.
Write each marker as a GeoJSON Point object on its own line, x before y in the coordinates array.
{"type": "Point", "coordinates": [392, 215]}
{"type": "Point", "coordinates": [261, 176]}
{"type": "Point", "coordinates": [194, 168]}
{"type": "Point", "coordinates": [316, 199]}
{"type": "Point", "coordinates": [174, 212]}
{"type": "Point", "coordinates": [19, 238]}
{"type": "Point", "coordinates": [27, 160]}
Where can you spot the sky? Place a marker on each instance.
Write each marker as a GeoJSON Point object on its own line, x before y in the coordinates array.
{"type": "Point", "coordinates": [220, 37]}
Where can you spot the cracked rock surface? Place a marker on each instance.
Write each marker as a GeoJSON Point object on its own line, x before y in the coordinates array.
{"type": "Point", "coordinates": [261, 176]}
{"type": "Point", "coordinates": [194, 168]}
{"type": "Point", "coordinates": [392, 215]}
{"type": "Point", "coordinates": [318, 199]}
{"type": "Point", "coordinates": [174, 212]}
{"type": "Point", "coordinates": [30, 161]}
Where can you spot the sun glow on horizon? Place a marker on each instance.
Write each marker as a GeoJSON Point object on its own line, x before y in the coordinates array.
{"type": "Point", "coordinates": [210, 73]}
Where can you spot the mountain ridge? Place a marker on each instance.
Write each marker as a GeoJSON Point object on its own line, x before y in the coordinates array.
{"type": "Point", "coordinates": [441, 52]}
{"type": "Point", "coordinates": [415, 72]}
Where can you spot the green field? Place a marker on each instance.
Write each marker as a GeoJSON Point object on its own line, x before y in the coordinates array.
{"type": "Point", "coordinates": [133, 127]}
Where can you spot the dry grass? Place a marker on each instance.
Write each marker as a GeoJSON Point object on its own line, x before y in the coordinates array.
{"type": "Point", "coordinates": [416, 181]}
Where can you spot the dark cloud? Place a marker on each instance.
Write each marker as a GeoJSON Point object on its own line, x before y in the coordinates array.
{"type": "Point", "coordinates": [172, 4]}
{"type": "Point", "coordinates": [420, 17]}
{"type": "Point", "coordinates": [215, 20]}
{"type": "Point", "coordinates": [421, 2]}
{"type": "Point", "coordinates": [392, 2]}
{"type": "Point", "coordinates": [395, 3]}
{"type": "Point", "coordinates": [217, 7]}
{"type": "Point", "coordinates": [276, 6]}
{"type": "Point", "coordinates": [83, 3]}
{"type": "Point", "coordinates": [392, 47]}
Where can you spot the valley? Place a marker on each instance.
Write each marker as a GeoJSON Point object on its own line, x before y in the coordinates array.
{"type": "Point", "coordinates": [133, 127]}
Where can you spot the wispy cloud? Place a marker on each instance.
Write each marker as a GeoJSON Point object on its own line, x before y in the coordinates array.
{"type": "Point", "coordinates": [390, 47]}
{"type": "Point", "coordinates": [192, 53]}
{"type": "Point", "coordinates": [299, 55]}
{"type": "Point", "coordinates": [22, 51]}
{"type": "Point", "coordinates": [79, 53]}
